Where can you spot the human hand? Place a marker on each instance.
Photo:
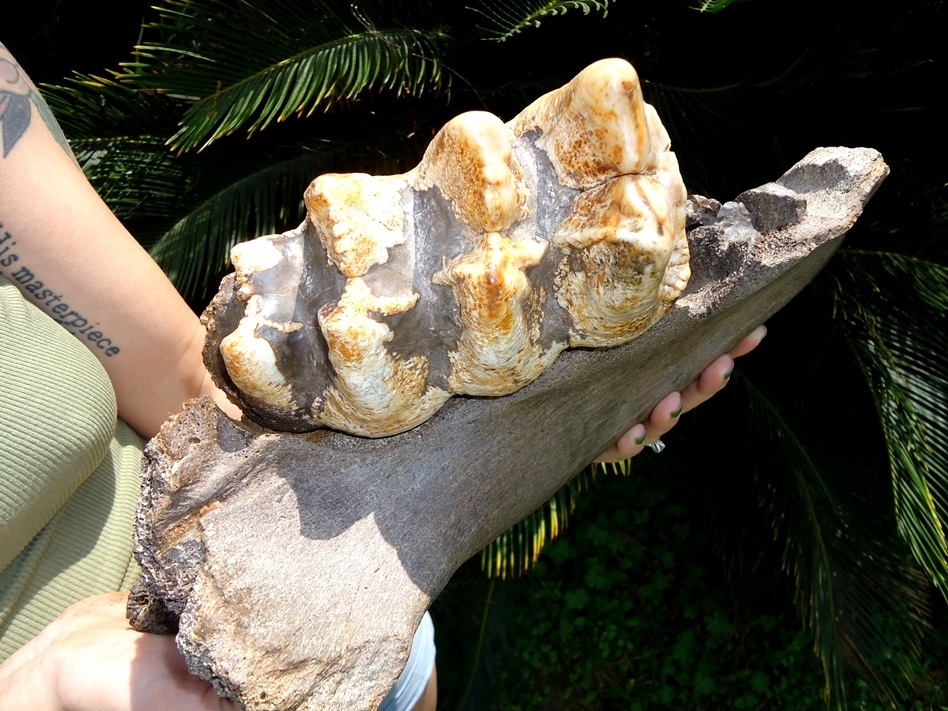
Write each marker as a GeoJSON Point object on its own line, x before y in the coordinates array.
{"type": "Point", "coordinates": [89, 659]}
{"type": "Point", "coordinates": [667, 412]}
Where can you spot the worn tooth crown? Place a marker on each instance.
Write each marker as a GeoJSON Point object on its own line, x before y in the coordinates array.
{"type": "Point", "coordinates": [371, 384]}
{"type": "Point", "coordinates": [358, 219]}
{"type": "Point", "coordinates": [471, 162]}
{"type": "Point", "coordinates": [597, 127]}
{"type": "Point", "coordinates": [467, 275]}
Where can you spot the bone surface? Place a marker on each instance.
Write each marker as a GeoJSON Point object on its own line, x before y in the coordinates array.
{"type": "Point", "coordinates": [300, 565]}
{"type": "Point", "coordinates": [467, 275]}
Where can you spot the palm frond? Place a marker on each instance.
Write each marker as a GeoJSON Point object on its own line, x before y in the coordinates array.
{"type": "Point", "coordinates": [505, 18]}
{"type": "Point", "coordinates": [864, 603]}
{"type": "Point", "coordinates": [93, 107]}
{"type": "Point", "coordinates": [245, 70]}
{"type": "Point", "coordinates": [714, 6]}
{"type": "Point", "coordinates": [196, 248]}
{"type": "Point", "coordinates": [924, 277]}
{"type": "Point", "coordinates": [900, 342]}
{"type": "Point", "coordinates": [516, 550]}
{"type": "Point", "coordinates": [136, 175]}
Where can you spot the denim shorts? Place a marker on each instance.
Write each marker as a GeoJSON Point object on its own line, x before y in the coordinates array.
{"type": "Point", "coordinates": [411, 684]}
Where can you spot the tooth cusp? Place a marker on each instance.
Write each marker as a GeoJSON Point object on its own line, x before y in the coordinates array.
{"type": "Point", "coordinates": [498, 351]}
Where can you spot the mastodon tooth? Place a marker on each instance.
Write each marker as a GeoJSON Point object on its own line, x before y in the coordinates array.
{"type": "Point", "coordinates": [468, 274]}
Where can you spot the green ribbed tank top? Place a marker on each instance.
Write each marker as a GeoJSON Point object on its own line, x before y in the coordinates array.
{"type": "Point", "coordinates": [69, 474]}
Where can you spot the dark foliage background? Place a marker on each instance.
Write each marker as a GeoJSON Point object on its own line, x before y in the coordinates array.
{"type": "Point", "coordinates": [787, 548]}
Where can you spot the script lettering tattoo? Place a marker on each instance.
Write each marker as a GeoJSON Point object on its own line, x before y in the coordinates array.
{"type": "Point", "coordinates": [77, 323]}
{"type": "Point", "coordinates": [17, 97]}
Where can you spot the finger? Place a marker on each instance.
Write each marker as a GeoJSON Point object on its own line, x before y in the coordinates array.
{"type": "Point", "coordinates": [750, 342]}
{"type": "Point", "coordinates": [664, 416]}
{"type": "Point", "coordinates": [666, 413]}
{"type": "Point", "coordinates": [712, 380]}
{"type": "Point", "coordinates": [628, 445]}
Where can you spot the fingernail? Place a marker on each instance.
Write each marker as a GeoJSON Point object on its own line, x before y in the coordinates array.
{"type": "Point", "coordinates": [730, 370]}
{"type": "Point", "coordinates": [640, 440]}
{"type": "Point", "coordinates": [677, 412]}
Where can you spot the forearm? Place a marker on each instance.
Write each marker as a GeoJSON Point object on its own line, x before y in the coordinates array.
{"type": "Point", "coordinates": [66, 251]}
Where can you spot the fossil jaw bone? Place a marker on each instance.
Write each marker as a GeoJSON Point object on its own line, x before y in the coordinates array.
{"type": "Point", "coordinates": [467, 275]}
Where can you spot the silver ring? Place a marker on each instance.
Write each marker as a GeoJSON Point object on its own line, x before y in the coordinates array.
{"type": "Point", "coordinates": [657, 446]}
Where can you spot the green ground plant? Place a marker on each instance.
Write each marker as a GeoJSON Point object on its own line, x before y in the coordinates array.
{"type": "Point", "coordinates": [631, 609]}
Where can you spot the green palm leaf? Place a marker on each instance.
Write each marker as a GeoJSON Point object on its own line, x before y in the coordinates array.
{"type": "Point", "coordinates": [899, 340]}
{"type": "Point", "coordinates": [505, 18]}
{"type": "Point", "coordinates": [864, 603]}
{"type": "Point", "coordinates": [93, 107]}
{"type": "Point", "coordinates": [195, 249]}
{"type": "Point", "coordinates": [244, 68]}
{"type": "Point", "coordinates": [714, 6]}
{"type": "Point", "coordinates": [139, 179]}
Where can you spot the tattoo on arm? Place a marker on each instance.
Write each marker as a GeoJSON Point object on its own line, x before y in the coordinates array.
{"type": "Point", "coordinates": [78, 324]}
{"type": "Point", "coordinates": [17, 95]}
{"type": "Point", "coordinates": [14, 105]}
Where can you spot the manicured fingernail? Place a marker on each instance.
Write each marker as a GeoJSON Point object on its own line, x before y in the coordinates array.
{"type": "Point", "coordinates": [677, 412]}
{"type": "Point", "coordinates": [640, 440]}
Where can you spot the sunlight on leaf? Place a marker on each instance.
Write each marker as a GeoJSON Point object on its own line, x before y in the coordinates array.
{"type": "Point", "coordinates": [902, 350]}
{"type": "Point", "coordinates": [517, 549]}
{"type": "Point", "coordinates": [862, 601]}
{"type": "Point", "coordinates": [266, 68]}
{"type": "Point", "coordinates": [714, 6]}
{"type": "Point", "coordinates": [505, 19]}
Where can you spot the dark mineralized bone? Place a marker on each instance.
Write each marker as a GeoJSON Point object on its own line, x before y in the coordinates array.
{"type": "Point", "coordinates": [300, 565]}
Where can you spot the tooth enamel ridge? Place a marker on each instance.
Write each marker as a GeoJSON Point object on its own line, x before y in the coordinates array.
{"type": "Point", "coordinates": [467, 275]}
